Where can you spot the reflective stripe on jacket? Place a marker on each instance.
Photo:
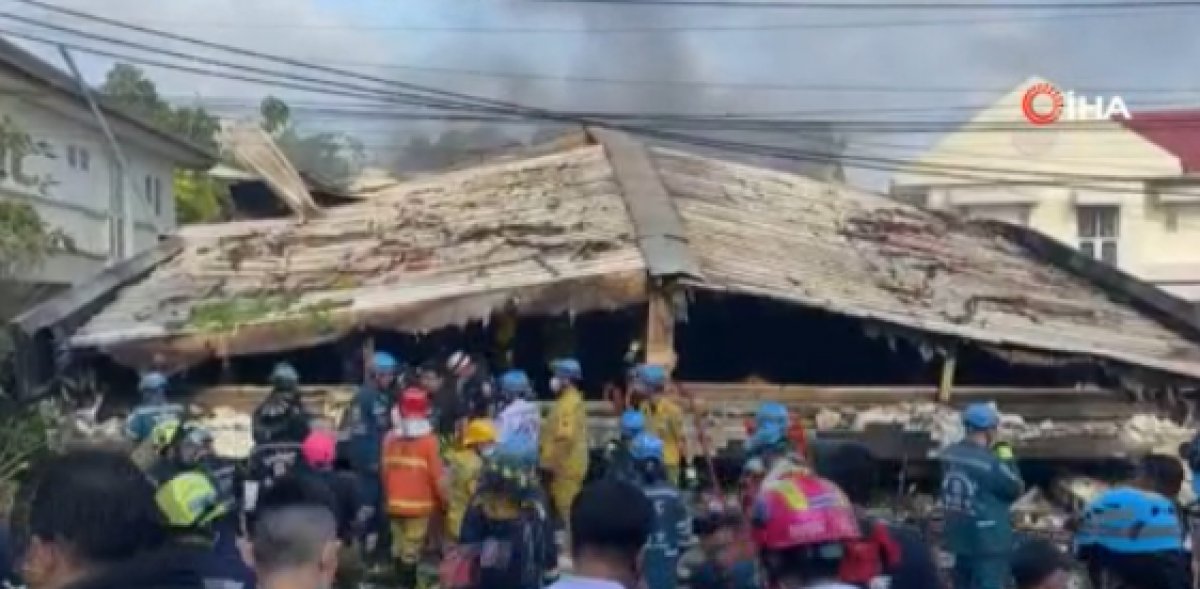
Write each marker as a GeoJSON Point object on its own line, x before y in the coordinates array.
{"type": "Point", "coordinates": [412, 475]}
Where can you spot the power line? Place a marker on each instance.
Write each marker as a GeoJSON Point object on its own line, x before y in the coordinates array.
{"type": "Point", "coordinates": [850, 5]}
{"type": "Point", "coordinates": [491, 105]}
{"type": "Point", "coordinates": [635, 30]}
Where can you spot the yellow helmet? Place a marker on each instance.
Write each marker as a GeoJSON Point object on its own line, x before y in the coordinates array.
{"type": "Point", "coordinates": [190, 500]}
{"type": "Point", "coordinates": [163, 434]}
{"type": "Point", "coordinates": [479, 431]}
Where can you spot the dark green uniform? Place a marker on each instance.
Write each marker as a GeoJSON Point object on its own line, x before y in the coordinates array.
{"type": "Point", "coordinates": [977, 490]}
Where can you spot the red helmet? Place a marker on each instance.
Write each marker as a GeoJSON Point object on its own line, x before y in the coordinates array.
{"type": "Point", "coordinates": [802, 510]}
{"type": "Point", "coordinates": [414, 403]}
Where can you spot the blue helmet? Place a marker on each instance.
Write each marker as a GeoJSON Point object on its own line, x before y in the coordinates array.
{"type": "Point", "coordinates": [646, 447]}
{"type": "Point", "coordinates": [980, 416]}
{"type": "Point", "coordinates": [772, 413]}
{"type": "Point", "coordinates": [515, 383]}
{"type": "Point", "coordinates": [633, 422]}
{"type": "Point", "coordinates": [651, 376]}
{"type": "Point", "coordinates": [285, 375]}
{"type": "Point", "coordinates": [153, 382]}
{"type": "Point", "coordinates": [384, 362]}
{"type": "Point", "coordinates": [567, 368]}
{"type": "Point", "coordinates": [1130, 521]}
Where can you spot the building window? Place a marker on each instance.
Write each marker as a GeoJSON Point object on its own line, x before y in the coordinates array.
{"type": "Point", "coordinates": [78, 158]}
{"type": "Point", "coordinates": [1099, 232]}
{"type": "Point", "coordinates": [158, 201]}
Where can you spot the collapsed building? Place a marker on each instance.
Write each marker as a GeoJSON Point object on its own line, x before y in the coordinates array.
{"type": "Point", "coordinates": [872, 318]}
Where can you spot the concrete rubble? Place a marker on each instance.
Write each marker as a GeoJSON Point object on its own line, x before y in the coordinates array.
{"type": "Point", "coordinates": [1138, 433]}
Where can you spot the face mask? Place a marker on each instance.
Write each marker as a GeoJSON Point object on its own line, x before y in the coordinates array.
{"type": "Point", "coordinates": [487, 451]}
{"type": "Point", "coordinates": [556, 384]}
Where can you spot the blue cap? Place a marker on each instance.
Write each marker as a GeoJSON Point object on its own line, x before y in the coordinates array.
{"type": "Point", "coordinates": [384, 362]}
{"type": "Point", "coordinates": [980, 416]}
{"type": "Point", "coordinates": [633, 422]}
{"type": "Point", "coordinates": [514, 382]}
{"type": "Point", "coordinates": [153, 381]}
{"type": "Point", "coordinates": [646, 447]}
{"type": "Point", "coordinates": [651, 375]}
{"type": "Point", "coordinates": [567, 368]}
{"type": "Point", "coordinates": [284, 373]}
{"type": "Point", "coordinates": [772, 412]}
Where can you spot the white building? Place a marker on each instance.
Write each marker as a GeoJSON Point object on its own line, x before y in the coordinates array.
{"type": "Point", "coordinates": [73, 181]}
{"type": "Point", "coordinates": [1123, 191]}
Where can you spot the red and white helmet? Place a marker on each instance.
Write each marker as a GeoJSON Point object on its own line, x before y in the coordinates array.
{"type": "Point", "coordinates": [799, 510]}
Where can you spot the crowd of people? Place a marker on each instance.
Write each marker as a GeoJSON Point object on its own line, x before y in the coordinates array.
{"type": "Point", "coordinates": [444, 466]}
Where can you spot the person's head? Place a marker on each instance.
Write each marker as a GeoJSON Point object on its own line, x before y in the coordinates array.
{"type": "Point", "coordinates": [514, 385]}
{"type": "Point", "coordinates": [633, 422]}
{"type": "Point", "coordinates": [853, 468]}
{"type": "Point", "coordinates": [565, 373]}
{"type": "Point", "coordinates": [611, 521]}
{"type": "Point", "coordinates": [195, 443]}
{"type": "Point", "coordinates": [480, 435]}
{"type": "Point", "coordinates": [460, 365]}
{"type": "Point", "coordinates": [1038, 564]}
{"type": "Point", "coordinates": [649, 379]}
{"type": "Point", "coordinates": [647, 453]}
{"type": "Point", "coordinates": [153, 387]}
{"type": "Point", "coordinates": [769, 444]}
{"type": "Point", "coordinates": [293, 541]}
{"type": "Point", "coordinates": [714, 524]}
{"type": "Point", "coordinates": [801, 526]}
{"type": "Point", "coordinates": [320, 449]}
{"type": "Point", "coordinates": [384, 369]}
{"type": "Point", "coordinates": [411, 416]}
{"type": "Point", "coordinates": [81, 512]}
{"type": "Point", "coordinates": [285, 379]}
{"type": "Point", "coordinates": [190, 504]}
{"type": "Point", "coordinates": [981, 421]}
{"type": "Point", "coordinates": [429, 376]}
{"type": "Point", "coordinates": [1160, 473]}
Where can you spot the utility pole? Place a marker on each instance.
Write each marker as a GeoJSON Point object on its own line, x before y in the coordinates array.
{"type": "Point", "coordinates": [123, 226]}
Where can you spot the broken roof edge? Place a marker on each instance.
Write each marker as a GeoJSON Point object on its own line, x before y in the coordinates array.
{"type": "Point", "coordinates": [1181, 369]}
{"type": "Point", "coordinates": [181, 350]}
{"type": "Point", "coordinates": [1178, 315]}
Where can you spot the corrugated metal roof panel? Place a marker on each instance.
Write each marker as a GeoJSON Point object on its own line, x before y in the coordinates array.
{"type": "Point", "coordinates": [864, 255]}
{"type": "Point", "coordinates": [485, 232]}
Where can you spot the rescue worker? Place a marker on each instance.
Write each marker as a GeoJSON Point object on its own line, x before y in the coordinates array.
{"type": "Point", "coordinates": [465, 468]}
{"type": "Point", "coordinates": [267, 464]}
{"type": "Point", "coordinates": [978, 488]}
{"type": "Point", "coordinates": [180, 447]}
{"type": "Point", "coordinates": [320, 454]}
{"type": "Point", "coordinates": [564, 445]}
{"type": "Point", "coordinates": [413, 480]}
{"type": "Point", "coordinates": [618, 463]}
{"type": "Point", "coordinates": [802, 527]}
{"type": "Point", "coordinates": [507, 526]}
{"type": "Point", "coordinates": [363, 426]}
{"type": "Point", "coordinates": [281, 417]}
{"type": "Point", "coordinates": [153, 408]}
{"type": "Point", "coordinates": [671, 523]}
{"type": "Point", "coordinates": [472, 387]}
{"type": "Point", "coordinates": [192, 509]}
{"type": "Point", "coordinates": [519, 421]}
{"type": "Point", "coordinates": [1132, 537]}
{"type": "Point", "coordinates": [727, 558]}
{"type": "Point", "coordinates": [664, 418]}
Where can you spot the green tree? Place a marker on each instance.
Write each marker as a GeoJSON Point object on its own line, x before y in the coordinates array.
{"type": "Point", "coordinates": [332, 156]}
{"type": "Point", "coordinates": [199, 199]}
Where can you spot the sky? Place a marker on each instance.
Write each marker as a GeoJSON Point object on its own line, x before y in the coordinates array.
{"type": "Point", "coordinates": [840, 65]}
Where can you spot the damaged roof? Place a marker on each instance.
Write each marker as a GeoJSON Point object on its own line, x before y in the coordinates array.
{"type": "Point", "coordinates": [564, 232]}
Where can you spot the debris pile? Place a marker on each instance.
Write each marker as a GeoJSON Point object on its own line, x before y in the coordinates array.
{"type": "Point", "coordinates": [231, 432]}
{"type": "Point", "coordinates": [944, 424]}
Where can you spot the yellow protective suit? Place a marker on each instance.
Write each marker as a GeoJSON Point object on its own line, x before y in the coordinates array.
{"type": "Point", "coordinates": [465, 468]}
{"type": "Point", "coordinates": [664, 418]}
{"type": "Point", "coordinates": [564, 449]}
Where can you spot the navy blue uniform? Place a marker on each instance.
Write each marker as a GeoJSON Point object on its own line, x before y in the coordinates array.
{"type": "Point", "coordinates": [671, 526]}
